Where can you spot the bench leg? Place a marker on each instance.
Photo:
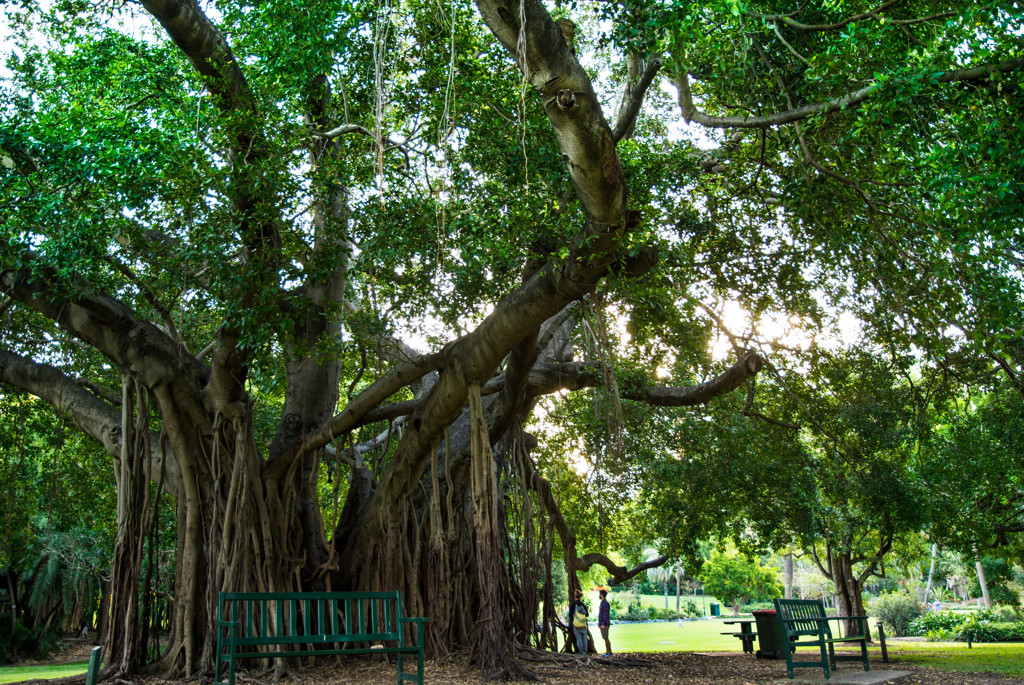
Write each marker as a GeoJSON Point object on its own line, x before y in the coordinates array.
{"type": "Point", "coordinates": [231, 663]}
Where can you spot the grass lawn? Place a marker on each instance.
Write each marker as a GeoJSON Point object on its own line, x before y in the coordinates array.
{"type": "Point", "coordinates": [1000, 657]}
{"type": "Point", "coordinates": [658, 601]}
{"type": "Point", "coordinates": [694, 636]}
{"type": "Point", "coordinates": [704, 636]}
{"type": "Point", "coordinates": [13, 674]}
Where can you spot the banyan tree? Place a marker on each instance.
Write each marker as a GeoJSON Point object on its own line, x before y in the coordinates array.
{"type": "Point", "coordinates": [308, 268]}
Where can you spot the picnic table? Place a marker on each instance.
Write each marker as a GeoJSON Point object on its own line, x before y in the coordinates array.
{"type": "Point", "coordinates": [745, 634]}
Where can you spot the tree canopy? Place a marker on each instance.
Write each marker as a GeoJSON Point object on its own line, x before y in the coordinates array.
{"type": "Point", "coordinates": [460, 256]}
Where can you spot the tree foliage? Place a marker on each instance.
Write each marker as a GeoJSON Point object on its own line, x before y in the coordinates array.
{"type": "Point", "coordinates": [739, 579]}
{"type": "Point", "coordinates": [249, 247]}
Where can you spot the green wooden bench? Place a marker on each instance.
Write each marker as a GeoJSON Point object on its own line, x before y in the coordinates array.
{"type": "Point", "coordinates": [94, 666]}
{"type": "Point", "coordinates": [257, 625]}
{"type": "Point", "coordinates": [804, 624]}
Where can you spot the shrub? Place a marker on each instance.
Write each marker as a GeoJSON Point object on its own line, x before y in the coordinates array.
{"type": "Point", "coordinates": [1007, 614]}
{"type": "Point", "coordinates": [941, 635]}
{"type": "Point", "coordinates": [981, 627]}
{"type": "Point", "coordinates": [636, 611]}
{"type": "Point", "coordinates": [896, 611]}
{"type": "Point", "coordinates": [984, 629]}
{"type": "Point", "coordinates": [37, 642]}
{"type": "Point", "coordinates": [936, 621]}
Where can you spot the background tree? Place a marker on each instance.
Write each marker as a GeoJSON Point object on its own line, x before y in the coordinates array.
{"type": "Point", "coordinates": [971, 466]}
{"type": "Point", "coordinates": [739, 579]}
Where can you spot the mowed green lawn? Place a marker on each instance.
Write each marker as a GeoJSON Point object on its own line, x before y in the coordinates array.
{"type": "Point", "coordinates": [1001, 657]}
{"type": "Point", "coordinates": [658, 601]}
{"type": "Point", "coordinates": [13, 674]}
{"type": "Point", "coordinates": [671, 636]}
{"type": "Point", "coordinates": [705, 636]}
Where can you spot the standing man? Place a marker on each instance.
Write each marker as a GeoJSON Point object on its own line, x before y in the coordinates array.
{"type": "Point", "coordinates": [604, 621]}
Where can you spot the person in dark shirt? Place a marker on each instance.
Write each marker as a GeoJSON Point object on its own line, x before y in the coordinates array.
{"type": "Point", "coordinates": [604, 621]}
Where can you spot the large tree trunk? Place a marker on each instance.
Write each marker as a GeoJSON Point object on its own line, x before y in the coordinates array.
{"type": "Point", "coordinates": [787, 575]}
{"type": "Point", "coordinates": [849, 601]}
{"type": "Point", "coordinates": [122, 648]}
{"type": "Point", "coordinates": [982, 582]}
{"type": "Point", "coordinates": [931, 572]}
{"type": "Point", "coordinates": [679, 573]}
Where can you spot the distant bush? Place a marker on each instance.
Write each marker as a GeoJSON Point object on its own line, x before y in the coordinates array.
{"type": "Point", "coordinates": [941, 635]}
{"type": "Point", "coordinates": [935, 621]}
{"type": "Point", "coordinates": [897, 611]}
{"type": "Point", "coordinates": [1007, 614]}
{"type": "Point", "coordinates": [37, 642]}
{"type": "Point", "coordinates": [983, 626]}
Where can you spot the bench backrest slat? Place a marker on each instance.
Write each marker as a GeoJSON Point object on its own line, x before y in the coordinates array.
{"type": "Point", "coordinates": [269, 618]}
{"type": "Point", "coordinates": [799, 616]}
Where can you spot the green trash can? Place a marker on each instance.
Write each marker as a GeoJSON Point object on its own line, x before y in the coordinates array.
{"type": "Point", "coordinates": [769, 634]}
{"type": "Point", "coordinates": [716, 609]}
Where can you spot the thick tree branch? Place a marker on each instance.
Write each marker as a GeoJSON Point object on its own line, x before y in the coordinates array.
{"type": "Point", "coordinates": [547, 379]}
{"type": "Point", "coordinates": [206, 49]}
{"type": "Point", "coordinates": [594, 166]}
{"type": "Point", "coordinates": [620, 574]}
{"type": "Point", "coordinates": [691, 113]}
{"type": "Point", "coordinates": [360, 406]}
{"type": "Point", "coordinates": [96, 418]}
{"type": "Point", "coordinates": [631, 108]}
{"type": "Point", "coordinates": [110, 327]}
{"type": "Point", "coordinates": [251, 197]}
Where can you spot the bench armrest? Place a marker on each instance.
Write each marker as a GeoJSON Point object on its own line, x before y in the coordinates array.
{"type": "Point", "coordinates": [420, 622]}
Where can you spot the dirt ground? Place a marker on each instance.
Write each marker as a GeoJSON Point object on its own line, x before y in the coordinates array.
{"type": "Point", "coordinates": [667, 668]}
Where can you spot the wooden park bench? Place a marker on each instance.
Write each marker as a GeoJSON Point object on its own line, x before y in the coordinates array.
{"type": "Point", "coordinates": [804, 624]}
{"type": "Point", "coordinates": [260, 625]}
